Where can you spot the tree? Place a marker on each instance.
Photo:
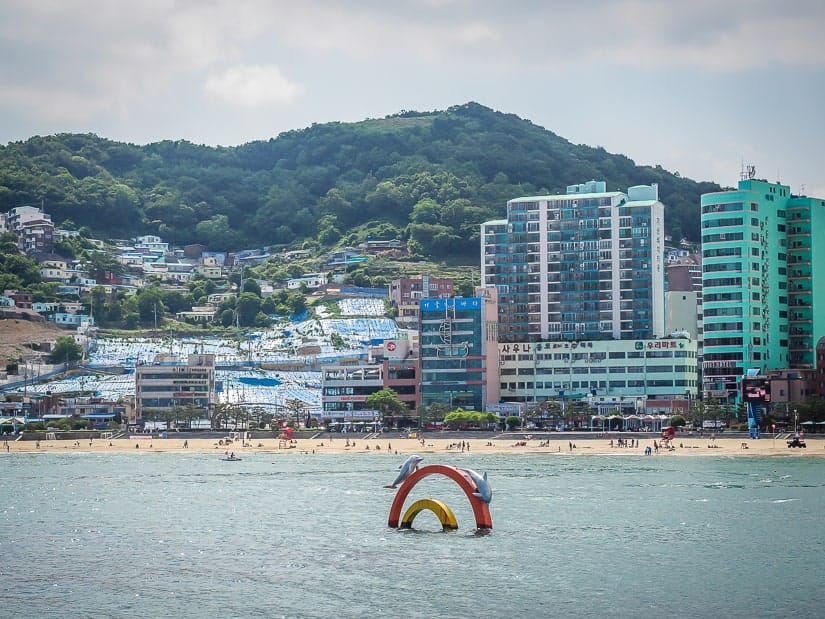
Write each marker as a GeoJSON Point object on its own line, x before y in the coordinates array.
{"type": "Point", "coordinates": [296, 407]}
{"type": "Point", "coordinates": [252, 286]}
{"type": "Point", "coordinates": [26, 270]}
{"type": "Point", "coordinates": [437, 411]}
{"type": "Point", "coordinates": [98, 303]}
{"type": "Point", "coordinates": [297, 303]}
{"type": "Point", "coordinates": [223, 413]}
{"type": "Point", "coordinates": [468, 419]}
{"type": "Point", "coordinates": [150, 305]}
{"type": "Point", "coordinates": [577, 410]}
{"type": "Point", "coordinates": [248, 307]}
{"type": "Point", "coordinates": [217, 233]}
{"type": "Point", "coordinates": [387, 402]}
{"type": "Point", "coordinates": [65, 349]}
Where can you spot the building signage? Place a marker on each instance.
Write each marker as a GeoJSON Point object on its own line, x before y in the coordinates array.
{"type": "Point", "coordinates": [440, 305]}
{"type": "Point", "coordinates": [659, 344]}
{"type": "Point", "coordinates": [515, 348]}
{"type": "Point", "coordinates": [718, 364]}
{"type": "Point", "coordinates": [718, 393]}
{"type": "Point", "coordinates": [363, 414]}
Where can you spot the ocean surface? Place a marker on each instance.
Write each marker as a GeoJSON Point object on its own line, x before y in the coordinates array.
{"type": "Point", "coordinates": [303, 535]}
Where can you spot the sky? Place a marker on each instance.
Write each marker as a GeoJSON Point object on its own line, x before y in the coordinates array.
{"type": "Point", "coordinates": [700, 87]}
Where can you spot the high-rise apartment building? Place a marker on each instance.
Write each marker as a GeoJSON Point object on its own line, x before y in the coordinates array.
{"type": "Point", "coordinates": [763, 250]}
{"type": "Point", "coordinates": [584, 265]}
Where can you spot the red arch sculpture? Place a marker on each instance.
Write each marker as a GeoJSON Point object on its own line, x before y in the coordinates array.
{"type": "Point", "coordinates": [481, 511]}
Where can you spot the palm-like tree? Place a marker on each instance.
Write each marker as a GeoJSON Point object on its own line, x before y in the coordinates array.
{"type": "Point", "coordinates": [296, 407]}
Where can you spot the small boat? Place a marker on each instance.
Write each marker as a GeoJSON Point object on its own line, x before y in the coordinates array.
{"type": "Point", "coordinates": [231, 458]}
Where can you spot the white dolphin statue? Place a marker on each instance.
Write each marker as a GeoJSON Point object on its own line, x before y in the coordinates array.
{"type": "Point", "coordinates": [409, 466]}
{"type": "Point", "coordinates": [485, 492]}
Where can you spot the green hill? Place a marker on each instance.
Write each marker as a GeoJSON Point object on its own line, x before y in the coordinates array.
{"type": "Point", "coordinates": [429, 177]}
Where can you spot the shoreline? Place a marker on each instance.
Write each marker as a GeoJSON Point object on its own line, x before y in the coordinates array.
{"type": "Point", "coordinates": [387, 444]}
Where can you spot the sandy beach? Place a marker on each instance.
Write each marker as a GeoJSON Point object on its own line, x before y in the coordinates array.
{"type": "Point", "coordinates": [435, 444]}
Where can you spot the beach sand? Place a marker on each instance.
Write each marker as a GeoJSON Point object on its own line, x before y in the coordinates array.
{"type": "Point", "coordinates": [436, 443]}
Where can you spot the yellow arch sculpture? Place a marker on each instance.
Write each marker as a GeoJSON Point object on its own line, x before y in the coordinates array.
{"type": "Point", "coordinates": [480, 509]}
{"type": "Point", "coordinates": [441, 510]}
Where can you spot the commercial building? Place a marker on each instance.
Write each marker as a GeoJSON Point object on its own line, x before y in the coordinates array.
{"type": "Point", "coordinates": [345, 388]}
{"type": "Point", "coordinates": [454, 339]}
{"type": "Point", "coordinates": [584, 265]}
{"type": "Point", "coordinates": [763, 256]}
{"type": "Point", "coordinates": [167, 384]}
{"type": "Point", "coordinates": [624, 376]}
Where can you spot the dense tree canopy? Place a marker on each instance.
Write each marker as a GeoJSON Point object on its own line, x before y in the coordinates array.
{"type": "Point", "coordinates": [65, 349]}
{"type": "Point", "coordinates": [430, 178]}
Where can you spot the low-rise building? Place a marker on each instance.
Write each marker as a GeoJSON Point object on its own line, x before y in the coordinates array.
{"type": "Point", "coordinates": [610, 375]}
{"type": "Point", "coordinates": [53, 268]}
{"type": "Point", "coordinates": [345, 388]}
{"type": "Point", "coordinates": [198, 313]}
{"type": "Point", "coordinates": [406, 294]}
{"type": "Point", "coordinates": [167, 385]}
{"type": "Point", "coordinates": [36, 237]}
{"type": "Point", "coordinates": [213, 271]}
{"type": "Point", "coordinates": [311, 281]}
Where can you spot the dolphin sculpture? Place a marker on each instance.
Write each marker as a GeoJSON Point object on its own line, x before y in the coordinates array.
{"type": "Point", "coordinates": [409, 466]}
{"type": "Point", "coordinates": [485, 493]}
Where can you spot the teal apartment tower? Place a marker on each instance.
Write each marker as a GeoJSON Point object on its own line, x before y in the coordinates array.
{"type": "Point", "coordinates": [584, 265]}
{"type": "Point", "coordinates": [763, 282]}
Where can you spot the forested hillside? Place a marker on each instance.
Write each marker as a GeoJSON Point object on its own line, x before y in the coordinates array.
{"type": "Point", "coordinates": [430, 178]}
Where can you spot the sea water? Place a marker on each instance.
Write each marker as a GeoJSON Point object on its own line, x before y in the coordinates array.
{"type": "Point", "coordinates": [305, 535]}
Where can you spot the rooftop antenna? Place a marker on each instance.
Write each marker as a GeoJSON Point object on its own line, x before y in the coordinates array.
{"type": "Point", "coordinates": [748, 172]}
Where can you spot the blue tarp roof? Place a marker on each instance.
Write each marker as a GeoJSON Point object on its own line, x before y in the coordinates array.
{"type": "Point", "coordinates": [263, 382]}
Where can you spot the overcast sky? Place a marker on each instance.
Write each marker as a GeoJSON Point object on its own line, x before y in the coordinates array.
{"type": "Point", "coordinates": [697, 86]}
